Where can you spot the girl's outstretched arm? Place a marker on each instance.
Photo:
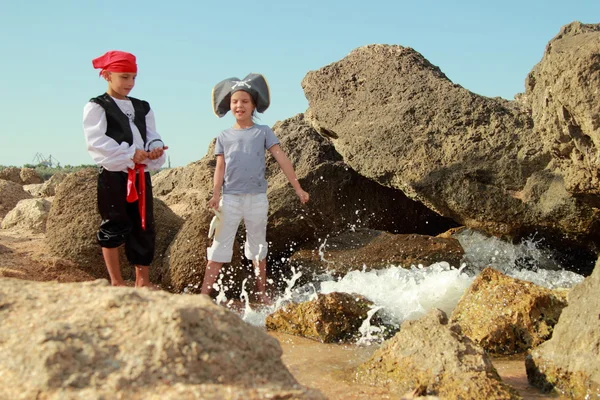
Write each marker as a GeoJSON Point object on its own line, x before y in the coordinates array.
{"type": "Point", "coordinates": [288, 169]}
{"type": "Point", "coordinates": [217, 182]}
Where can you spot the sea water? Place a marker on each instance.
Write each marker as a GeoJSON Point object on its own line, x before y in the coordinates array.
{"type": "Point", "coordinates": [406, 293]}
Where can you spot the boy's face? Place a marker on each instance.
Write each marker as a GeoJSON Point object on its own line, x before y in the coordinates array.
{"type": "Point", "coordinates": [120, 83]}
{"type": "Point", "coordinates": [242, 106]}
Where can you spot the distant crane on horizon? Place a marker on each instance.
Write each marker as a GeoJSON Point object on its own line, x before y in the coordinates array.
{"type": "Point", "coordinates": [49, 162]}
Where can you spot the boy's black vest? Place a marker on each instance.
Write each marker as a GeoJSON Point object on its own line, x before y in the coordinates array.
{"type": "Point", "coordinates": [117, 122]}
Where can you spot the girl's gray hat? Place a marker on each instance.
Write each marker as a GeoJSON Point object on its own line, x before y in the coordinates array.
{"type": "Point", "coordinates": [255, 84]}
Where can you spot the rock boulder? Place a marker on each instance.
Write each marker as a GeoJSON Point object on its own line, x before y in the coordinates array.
{"type": "Point", "coordinates": [90, 340]}
{"type": "Point", "coordinates": [30, 176]}
{"type": "Point", "coordinates": [370, 249]}
{"type": "Point", "coordinates": [503, 167]}
{"type": "Point", "coordinates": [331, 318]}
{"type": "Point", "coordinates": [29, 215]}
{"type": "Point", "coordinates": [10, 194]}
{"type": "Point", "coordinates": [505, 315]}
{"type": "Point", "coordinates": [433, 357]}
{"type": "Point", "coordinates": [569, 363]}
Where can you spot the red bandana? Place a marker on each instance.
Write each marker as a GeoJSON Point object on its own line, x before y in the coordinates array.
{"type": "Point", "coordinates": [115, 61]}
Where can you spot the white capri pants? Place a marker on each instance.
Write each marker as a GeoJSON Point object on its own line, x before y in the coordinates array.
{"type": "Point", "coordinates": [253, 208]}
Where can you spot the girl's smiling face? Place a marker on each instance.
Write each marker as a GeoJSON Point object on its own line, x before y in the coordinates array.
{"type": "Point", "coordinates": [242, 106]}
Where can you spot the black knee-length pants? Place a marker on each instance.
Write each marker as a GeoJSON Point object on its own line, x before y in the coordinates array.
{"type": "Point", "coordinates": [121, 221]}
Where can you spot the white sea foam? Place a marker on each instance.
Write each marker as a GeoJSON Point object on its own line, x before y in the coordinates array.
{"type": "Point", "coordinates": [408, 293]}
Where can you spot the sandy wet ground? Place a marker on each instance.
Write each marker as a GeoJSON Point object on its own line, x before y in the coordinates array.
{"type": "Point", "coordinates": [329, 368]}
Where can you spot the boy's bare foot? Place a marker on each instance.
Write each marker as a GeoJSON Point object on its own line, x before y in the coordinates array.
{"type": "Point", "coordinates": [148, 286]}
{"type": "Point", "coordinates": [118, 283]}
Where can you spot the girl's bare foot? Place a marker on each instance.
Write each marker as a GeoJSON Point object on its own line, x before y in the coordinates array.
{"type": "Point", "coordinates": [266, 300]}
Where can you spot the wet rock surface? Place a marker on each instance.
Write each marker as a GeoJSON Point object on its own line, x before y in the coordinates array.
{"type": "Point", "coordinates": [431, 357]}
{"type": "Point", "coordinates": [370, 249]}
{"type": "Point", "coordinates": [505, 315]}
{"type": "Point", "coordinates": [331, 318]}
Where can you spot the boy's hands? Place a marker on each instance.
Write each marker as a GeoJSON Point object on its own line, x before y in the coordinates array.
{"type": "Point", "coordinates": [302, 195]}
{"type": "Point", "coordinates": [140, 155]}
{"type": "Point", "coordinates": [157, 153]}
{"type": "Point", "coordinates": [214, 201]}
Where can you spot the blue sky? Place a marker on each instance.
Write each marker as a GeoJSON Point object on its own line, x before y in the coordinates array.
{"type": "Point", "coordinates": [185, 47]}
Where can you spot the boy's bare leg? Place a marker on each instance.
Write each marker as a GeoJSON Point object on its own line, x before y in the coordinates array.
{"type": "Point", "coordinates": [261, 281]}
{"type": "Point", "coordinates": [111, 258]}
{"type": "Point", "coordinates": [142, 278]}
{"type": "Point", "coordinates": [210, 276]}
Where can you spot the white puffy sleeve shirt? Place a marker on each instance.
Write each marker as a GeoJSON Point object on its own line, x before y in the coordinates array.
{"type": "Point", "coordinates": [105, 151]}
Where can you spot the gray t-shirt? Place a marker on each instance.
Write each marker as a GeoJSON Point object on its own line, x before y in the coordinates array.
{"type": "Point", "coordinates": [244, 152]}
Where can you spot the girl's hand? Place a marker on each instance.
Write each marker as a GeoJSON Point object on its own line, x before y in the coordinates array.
{"type": "Point", "coordinates": [140, 156]}
{"type": "Point", "coordinates": [214, 201]}
{"type": "Point", "coordinates": [303, 196]}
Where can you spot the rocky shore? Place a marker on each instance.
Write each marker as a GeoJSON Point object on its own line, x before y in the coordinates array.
{"type": "Point", "coordinates": [398, 160]}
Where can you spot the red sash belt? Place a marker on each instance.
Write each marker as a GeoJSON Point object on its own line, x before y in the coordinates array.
{"type": "Point", "coordinates": [132, 192]}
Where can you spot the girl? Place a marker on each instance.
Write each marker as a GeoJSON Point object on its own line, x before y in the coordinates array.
{"type": "Point", "coordinates": [240, 173]}
{"type": "Point", "coordinates": [121, 138]}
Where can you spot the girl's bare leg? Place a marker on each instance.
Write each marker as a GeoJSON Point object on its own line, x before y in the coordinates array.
{"type": "Point", "coordinates": [261, 281]}
{"type": "Point", "coordinates": [210, 276]}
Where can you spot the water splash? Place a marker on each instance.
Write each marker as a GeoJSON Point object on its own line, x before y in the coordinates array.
{"type": "Point", "coordinates": [287, 294]}
{"type": "Point", "coordinates": [370, 334]}
{"type": "Point", "coordinates": [401, 294]}
{"type": "Point", "coordinates": [251, 316]}
{"type": "Point", "coordinates": [406, 294]}
{"type": "Point", "coordinates": [221, 289]}
{"type": "Point", "coordinates": [527, 260]}
{"type": "Point", "coordinates": [322, 252]}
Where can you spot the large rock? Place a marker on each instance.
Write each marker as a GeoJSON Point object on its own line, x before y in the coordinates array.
{"type": "Point", "coordinates": [570, 361]}
{"type": "Point", "coordinates": [34, 189]}
{"type": "Point", "coordinates": [561, 93]}
{"type": "Point", "coordinates": [30, 176]}
{"type": "Point", "coordinates": [397, 119]}
{"type": "Point", "coordinates": [167, 225]}
{"type": "Point", "coordinates": [341, 199]}
{"type": "Point", "coordinates": [48, 188]}
{"type": "Point", "coordinates": [29, 215]}
{"type": "Point", "coordinates": [331, 318]}
{"type": "Point", "coordinates": [433, 357]}
{"type": "Point", "coordinates": [12, 174]}
{"type": "Point", "coordinates": [73, 222]}
{"type": "Point", "coordinates": [73, 341]}
{"type": "Point", "coordinates": [370, 249]}
{"type": "Point", "coordinates": [187, 189]}
{"type": "Point", "coordinates": [10, 194]}
{"type": "Point", "coordinates": [505, 315]}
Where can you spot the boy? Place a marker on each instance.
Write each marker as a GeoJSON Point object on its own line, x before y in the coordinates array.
{"type": "Point", "coordinates": [121, 137]}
